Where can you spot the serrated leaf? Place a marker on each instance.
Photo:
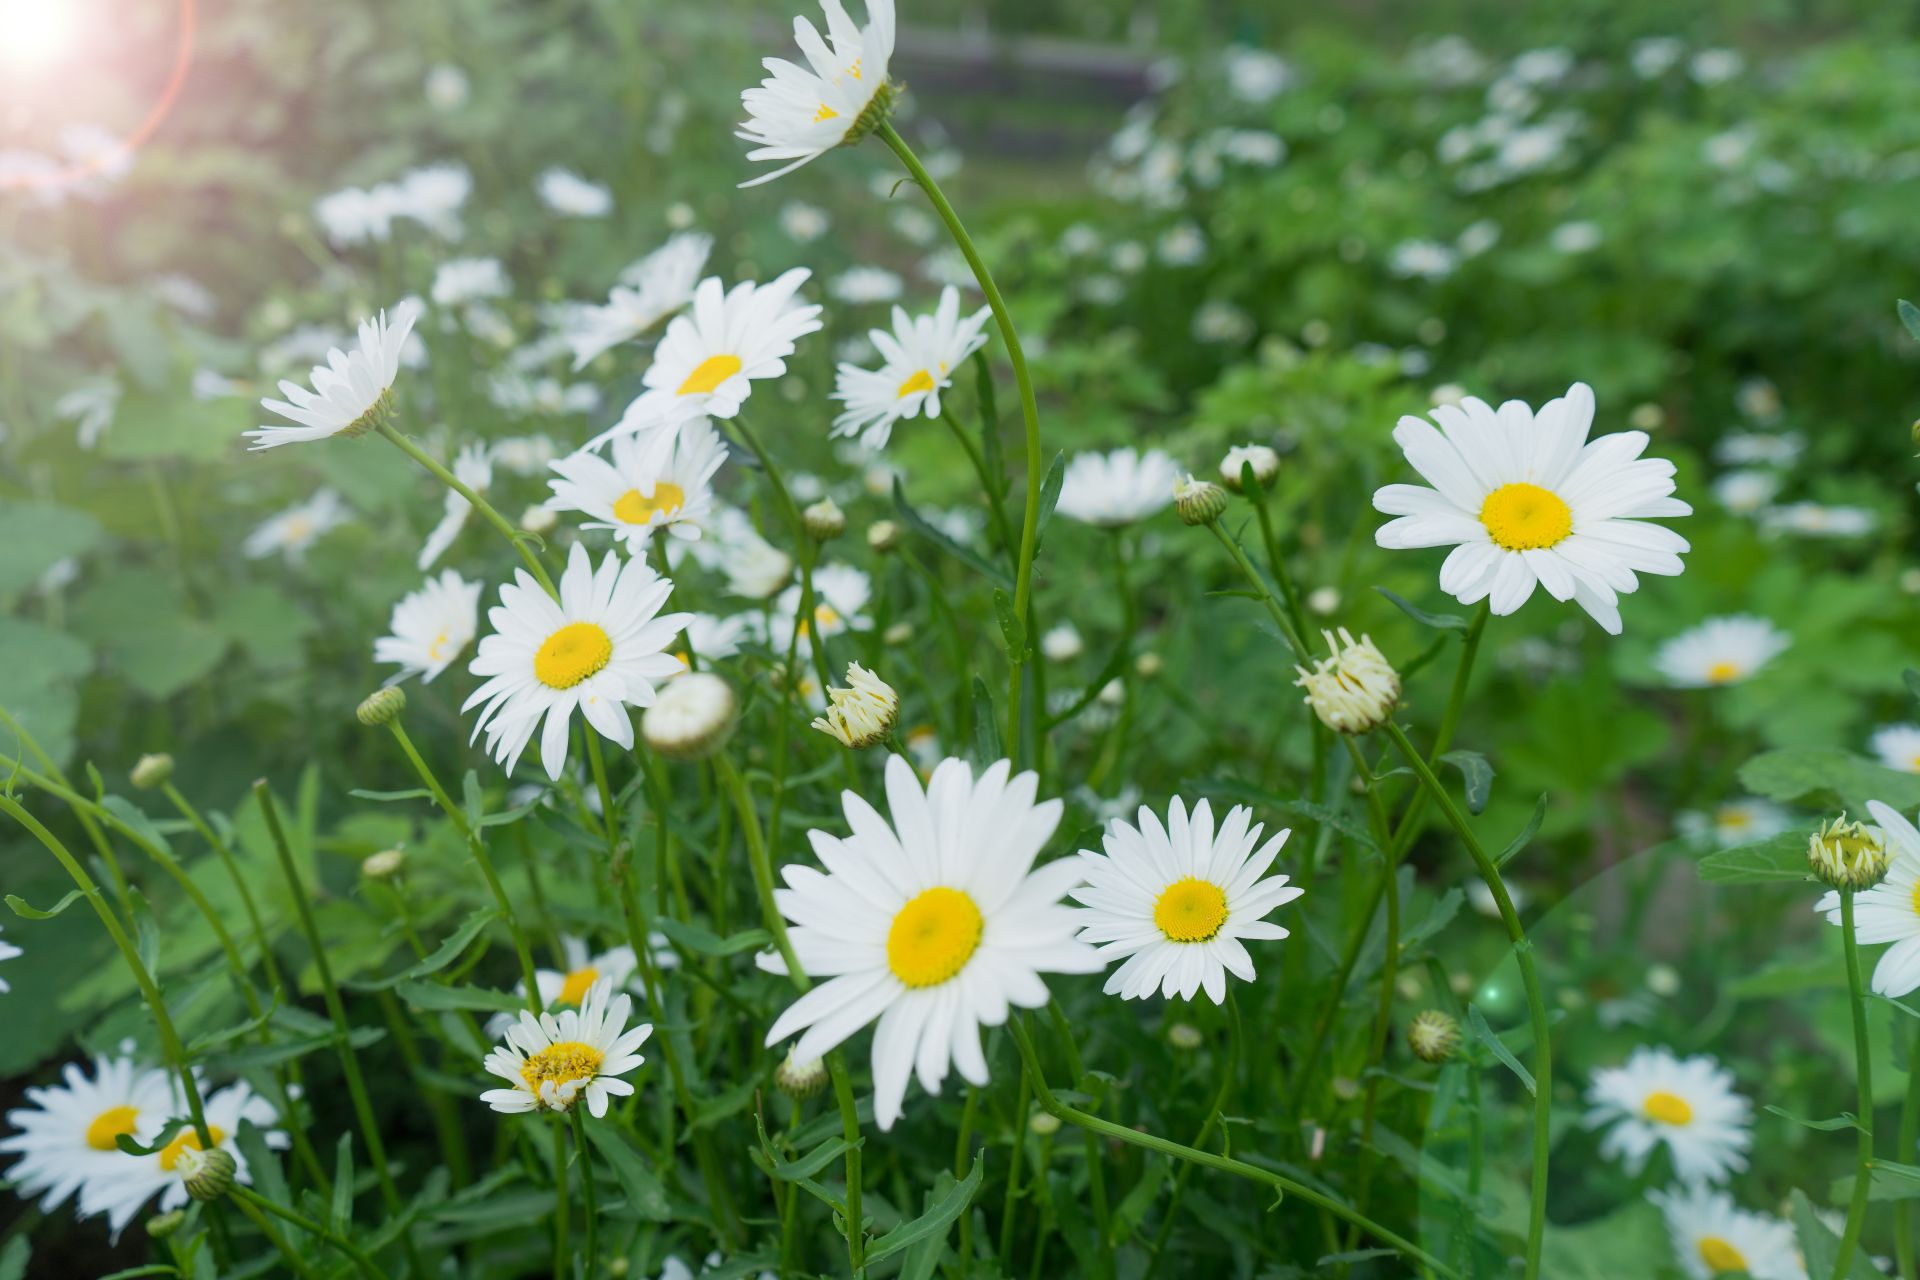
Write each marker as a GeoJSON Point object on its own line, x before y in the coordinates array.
{"type": "Point", "coordinates": [1826, 775]}
{"type": "Point", "coordinates": [1050, 487]}
{"type": "Point", "coordinates": [1011, 627]}
{"type": "Point", "coordinates": [1821, 1247]}
{"type": "Point", "coordinates": [1444, 621]}
{"type": "Point", "coordinates": [1477, 1022]}
{"type": "Point", "coordinates": [987, 747]}
{"type": "Point", "coordinates": [1476, 777]}
{"type": "Point", "coordinates": [1846, 1120]}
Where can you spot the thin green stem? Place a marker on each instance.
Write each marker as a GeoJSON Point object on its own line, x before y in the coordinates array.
{"type": "Point", "coordinates": [1274, 609]}
{"type": "Point", "coordinates": [562, 1252]}
{"type": "Point", "coordinates": [586, 1190]}
{"type": "Point", "coordinates": [362, 1263]}
{"type": "Point", "coordinates": [500, 523]}
{"type": "Point", "coordinates": [295, 1263]}
{"type": "Point", "coordinates": [232, 865]}
{"type": "Point", "coordinates": [1909, 1136]}
{"type": "Point", "coordinates": [1257, 495]}
{"type": "Point", "coordinates": [1863, 1077]}
{"type": "Point", "coordinates": [1228, 1067]}
{"type": "Point", "coordinates": [104, 847]}
{"type": "Point", "coordinates": [1015, 1164]}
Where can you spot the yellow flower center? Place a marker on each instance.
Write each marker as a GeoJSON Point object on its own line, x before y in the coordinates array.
{"type": "Point", "coordinates": [1721, 1256]}
{"type": "Point", "coordinates": [933, 937]}
{"type": "Point", "coordinates": [713, 371]}
{"type": "Point", "coordinates": [1668, 1108]}
{"type": "Point", "coordinates": [1723, 672]}
{"type": "Point", "coordinates": [110, 1124]}
{"type": "Point", "coordinates": [824, 615]}
{"type": "Point", "coordinates": [1913, 765]}
{"type": "Point", "coordinates": [438, 646]}
{"type": "Point", "coordinates": [921, 381]}
{"type": "Point", "coordinates": [1525, 517]}
{"type": "Point", "coordinates": [1735, 819]}
{"type": "Point", "coordinates": [854, 69]}
{"type": "Point", "coordinates": [571, 654]}
{"type": "Point", "coordinates": [825, 113]}
{"type": "Point", "coordinates": [578, 983]}
{"type": "Point", "coordinates": [633, 508]}
{"type": "Point", "coordinates": [187, 1141]}
{"type": "Point", "coordinates": [1190, 910]}
{"type": "Point", "coordinates": [562, 1063]}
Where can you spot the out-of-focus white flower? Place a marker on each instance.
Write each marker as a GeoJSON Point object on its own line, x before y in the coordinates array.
{"type": "Point", "coordinates": [446, 87]}
{"type": "Point", "coordinates": [650, 290]}
{"type": "Point", "coordinates": [1655, 56]}
{"type": "Point", "coordinates": [292, 531]}
{"type": "Point", "coordinates": [1746, 492]}
{"type": "Point", "coordinates": [804, 222]}
{"type": "Point", "coordinates": [572, 196]}
{"type": "Point", "coordinates": [1254, 75]}
{"type": "Point", "coordinates": [1575, 237]}
{"type": "Point", "coordinates": [1720, 651]}
{"type": "Point", "coordinates": [1715, 66]}
{"type": "Point", "coordinates": [1117, 488]}
{"type": "Point", "coordinates": [90, 407]}
{"type": "Point", "coordinates": [461, 280]}
{"type": "Point", "coordinates": [860, 285]}
{"type": "Point", "coordinates": [1423, 260]}
{"type": "Point", "coordinates": [1817, 520]}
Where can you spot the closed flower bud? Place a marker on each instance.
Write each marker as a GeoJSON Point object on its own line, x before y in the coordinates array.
{"type": "Point", "coordinates": [1198, 501]}
{"type": "Point", "coordinates": [1264, 461]}
{"type": "Point", "coordinates": [163, 1225]}
{"type": "Point", "coordinates": [208, 1174]}
{"type": "Point", "coordinates": [1149, 665]}
{"type": "Point", "coordinates": [1184, 1035]}
{"type": "Point", "coordinates": [381, 706]}
{"type": "Point", "coordinates": [690, 717]}
{"type": "Point", "coordinates": [883, 535]}
{"type": "Point", "coordinates": [1847, 855]}
{"type": "Point", "coordinates": [152, 771]}
{"type": "Point", "coordinates": [800, 1077]}
{"type": "Point", "coordinates": [1043, 1124]}
{"type": "Point", "coordinates": [1433, 1036]}
{"type": "Point", "coordinates": [1062, 643]}
{"type": "Point", "coordinates": [383, 865]}
{"type": "Point", "coordinates": [824, 520]}
{"type": "Point", "coordinates": [862, 714]}
{"type": "Point", "coordinates": [1353, 691]}
{"type": "Point", "coordinates": [897, 634]}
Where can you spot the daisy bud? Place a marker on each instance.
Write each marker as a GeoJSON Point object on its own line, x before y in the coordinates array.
{"type": "Point", "coordinates": [152, 771]}
{"type": "Point", "coordinates": [690, 717]}
{"type": "Point", "coordinates": [1043, 1124]}
{"type": "Point", "coordinates": [824, 520]}
{"type": "Point", "coordinates": [383, 865]}
{"type": "Point", "coordinates": [897, 634]}
{"type": "Point", "coordinates": [1847, 855]}
{"type": "Point", "coordinates": [1353, 691]}
{"type": "Point", "coordinates": [1149, 665]}
{"type": "Point", "coordinates": [208, 1174]}
{"type": "Point", "coordinates": [1062, 643]}
{"type": "Point", "coordinates": [381, 706]}
{"type": "Point", "coordinates": [1265, 463]}
{"type": "Point", "coordinates": [800, 1077]}
{"type": "Point", "coordinates": [883, 535]}
{"type": "Point", "coordinates": [863, 714]}
{"type": "Point", "coordinates": [1184, 1035]}
{"type": "Point", "coordinates": [1198, 501]}
{"type": "Point", "coordinates": [1433, 1036]}
{"type": "Point", "coordinates": [165, 1224]}
{"type": "Point", "coordinates": [1324, 600]}
{"type": "Point", "coordinates": [539, 519]}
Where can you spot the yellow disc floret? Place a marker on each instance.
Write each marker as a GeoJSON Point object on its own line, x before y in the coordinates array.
{"type": "Point", "coordinates": [567, 1062]}
{"type": "Point", "coordinates": [188, 1140]}
{"type": "Point", "coordinates": [635, 508]}
{"type": "Point", "coordinates": [578, 983]}
{"type": "Point", "coordinates": [1525, 517]}
{"type": "Point", "coordinates": [711, 372]}
{"type": "Point", "coordinates": [1190, 910]}
{"type": "Point", "coordinates": [1721, 1256]}
{"type": "Point", "coordinates": [933, 937]}
{"type": "Point", "coordinates": [571, 654]}
{"type": "Point", "coordinates": [110, 1124]}
{"type": "Point", "coordinates": [1668, 1108]}
{"type": "Point", "coordinates": [921, 381]}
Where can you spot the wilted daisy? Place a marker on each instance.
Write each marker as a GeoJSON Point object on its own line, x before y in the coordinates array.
{"type": "Point", "coordinates": [1736, 822]}
{"type": "Point", "coordinates": [1526, 500]}
{"type": "Point", "coordinates": [840, 594]}
{"type": "Point", "coordinates": [473, 467]}
{"type": "Point", "coordinates": [1890, 910]}
{"type": "Point", "coordinates": [599, 648]}
{"type": "Point", "coordinates": [1117, 488]}
{"type": "Point", "coordinates": [120, 1193]}
{"type": "Point", "coordinates": [1898, 746]}
{"type": "Point", "coordinates": [65, 1138]}
{"type": "Point", "coordinates": [1178, 901]}
{"type": "Point", "coordinates": [917, 362]}
{"type": "Point", "coordinates": [934, 923]}
{"type": "Point", "coordinates": [298, 527]}
{"type": "Point", "coordinates": [1714, 1237]}
{"type": "Point", "coordinates": [862, 713]}
{"type": "Point", "coordinates": [650, 290]}
{"type": "Point", "coordinates": [352, 392]}
{"type": "Point", "coordinates": [1720, 651]}
{"type": "Point", "coordinates": [657, 480]}
{"type": "Point", "coordinates": [1687, 1103]}
{"type": "Point", "coordinates": [431, 627]}
{"type": "Point", "coordinates": [799, 113]}
{"type": "Point", "coordinates": [572, 196]}
{"type": "Point", "coordinates": [550, 1060]}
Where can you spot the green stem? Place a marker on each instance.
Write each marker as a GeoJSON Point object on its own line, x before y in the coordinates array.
{"type": "Point", "coordinates": [561, 1206]}
{"type": "Point", "coordinates": [1909, 1136]}
{"type": "Point", "coordinates": [362, 1263]}
{"type": "Point", "coordinates": [1863, 1076]}
{"type": "Point", "coordinates": [586, 1189]}
{"type": "Point", "coordinates": [295, 1263]}
{"type": "Point", "coordinates": [803, 542]}
{"type": "Point", "coordinates": [1274, 610]}
{"type": "Point", "coordinates": [500, 523]}
{"type": "Point", "coordinates": [1200, 1139]}
{"type": "Point", "coordinates": [1277, 562]}
{"type": "Point", "coordinates": [121, 889]}
{"type": "Point", "coordinates": [1015, 1163]}
{"type": "Point", "coordinates": [227, 860]}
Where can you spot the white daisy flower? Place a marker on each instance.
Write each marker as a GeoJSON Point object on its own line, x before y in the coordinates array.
{"type": "Point", "coordinates": [550, 1060]}
{"type": "Point", "coordinates": [840, 594]}
{"type": "Point", "coordinates": [707, 361]}
{"type": "Point", "coordinates": [1423, 260]}
{"type": "Point", "coordinates": [1736, 822]}
{"type": "Point", "coordinates": [1526, 500]}
{"type": "Point", "coordinates": [1117, 488]}
{"type": "Point", "coordinates": [525, 455]}
{"type": "Point", "coordinates": [90, 408]}
{"type": "Point", "coordinates": [7, 952]}
{"type": "Point", "coordinates": [799, 113]}
{"type": "Point", "coordinates": [1178, 901]}
{"type": "Point", "coordinates": [935, 923]}
{"type": "Point", "coordinates": [431, 627]}
{"type": "Point", "coordinates": [1687, 1103]}
{"type": "Point", "coordinates": [432, 196]}
{"type": "Point", "coordinates": [1758, 448]}
{"type": "Point", "coordinates": [804, 222]}
{"type": "Point", "coordinates": [1898, 746]}
{"type": "Point", "coordinates": [65, 1138]}
{"type": "Point", "coordinates": [473, 467]}
{"type": "Point", "coordinates": [1818, 520]}
{"type": "Point", "coordinates": [712, 637]}
{"type": "Point", "coordinates": [649, 291]}
{"type": "Point", "coordinates": [1747, 491]}
{"type": "Point", "coordinates": [351, 392]}
{"type": "Point", "coordinates": [1713, 1237]}
{"type": "Point", "coordinates": [120, 1192]}
{"type": "Point", "coordinates": [857, 286]}
{"type": "Point", "coordinates": [658, 480]}
{"type": "Point", "coordinates": [298, 527]}
{"type": "Point", "coordinates": [351, 216]}
{"type": "Point", "coordinates": [918, 360]}
{"type": "Point", "coordinates": [460, 280]}
{"type": "Point", "coordinates": [599, 648]}
{"type": "Point", "coordinates": [1720, 651]}
{"type": "Point", "coordinates": [572, 196]}
{"type": "Point", "coordinates": [1890, 911]}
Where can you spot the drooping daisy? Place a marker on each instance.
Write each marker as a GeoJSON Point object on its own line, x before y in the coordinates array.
{"type": "Point", "coordinates": [1898, 746]}
{"type": "Point", "coordinates": [799, 113]}
{"type": "Point", "coordinates": [599, 648]}
{"type": "Point", "coordinates": [1687, 1103]}
{"type": "Point", "coordinates": [7, 952]}
{"type": "Point", "coordinates": [1178, 900]}
{"type": "Point", "coordinates": [121, 1192]}
{"type": "Point", "coordinates": [1118, 488]}
{"type": "Point", "coordinates": [707, 361]}
{"type": "Point", "coordinates": [352, 392]}
{"type": "Point", "coordinates": [658, 480]}
{"type": "Point", "coordinates": [473, 467]}
{"type": "Point", "coordinates": [65, 1138]}
{"type": "Point", "coordinates": [1736, 822]}
{"type": "Point", "coordinates": [1890, 910]}
{"type": "Point", "coordinates": [934, 923]}
{"type": "Point", "coordinates": [549, 1061]}
{"type": "Point", "coordinates": [918, 359]}
{"type": "Point", "coordinates": [431, 627]}
{"type": "Point", "coordinates": [1720, 651]}
{"type": "Point", "coordinates": [651, 290]}
{"type": "Point", "coordinates": [1526, 500]}
{"type": "Point", "coordinates": [840, 594]}
{"type": "Point", "coordinates": [1714, 1237]}
{"type": "Point", "coordinates": [297, 528]}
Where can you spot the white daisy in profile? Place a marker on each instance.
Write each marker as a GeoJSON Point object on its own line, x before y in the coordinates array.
{"type": "Point", "coordinates": [1736, 822]}
{"type": "Point", "coordinates": [1720, 651]}
{"type": "Point", "coordinates": [1890, 910]}
{"type": "Point", "coordinates": [917, 362]}
{"type": "Point", "coordinates": [7, 952]}
{"type": "Point", "coordinates": [431, 627]}
{"type": "Point", "coordinates": [291, 532]}
{"type": "Point", "coordinates": [550, 1060]}
{"type": "Point", "coordinates": [352, 392]}
{"type": "Point", "coordinates": [1118, 488]}
{"type": "Point", "coordinates": [840, 596]}
{"type": "Point", "coordinates": [572, 196]}
{"type": "Point", "coordinates": [121, 1192]}
{"type": "Point", "coordinates": [657, 480]}
{"type": "Point", "coordinates": [799, 113]}
{"type": "Point", "coordinates": [1687, 1103]}
{"type": "Point", "coordinates": [935, 923]}
{"type": "Point", "coordinates": [64, 1137]}
{"type": "Point", "coordinates": [1178, 901]}
{"type": "Point", "coordinates": [1898, 746]}
{"type": "Point", "coordinates": [708, 360]}
{"type": "Point", "coordinates": [1526, 500]}
{"type": "Point", "coordinates": [599, 648]}
{"type": "Point", "coordinates": [649, 291]}
{"type": "Point", "coordinates": [1714, 1237]}
{"type": "Point", "coordinates": [473, 467]}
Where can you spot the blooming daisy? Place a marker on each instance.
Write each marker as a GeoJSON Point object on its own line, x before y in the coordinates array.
{"type": "Point", "coordinates": [934, 923]}
{"type": "Point", "coordinates": [1526, 500]}
{"type": "Point", "coordinates": [120, 1192]}
{"type": "Point", "coordinates": [473, 467]}
{"type": "Point", "coordinates": [65, 1138]}
{"type": "Point", "coordinates": [657, 480]}
{"type": "Point", "coordinates": [707, 361]}
{"type": "Point", "coordinates": [917, 362]}
{"type": "Point", "coordinates": [799, 113]}
{"type": "Point", "coordinates": [1890, 911]}
{"type": "Point", "coordinates": [1714, 1237]}
{"type": "Point", "coordinates": [1118, 488]}
{"type": "Point", "coordinates": [1736, 822]}
{"type": "Point", "coordinates": [1177, 900]}
{"type": "Point", "coordinates": [298, 527]}
{"type": "Point", "coordinates": [712, 637]}
{"type": "Point", "coordinates": [650, 290]}
{"type": "Point", "coordinates": [1687, 1103]}
{"type": "Point", "coordinates": [431, 627]}
{"type": "Point", "coordinates": [352, 392]}
{"type": "Point", "coordinates": [7, 952]}
{"type": "Point", "coordinates": [1898, 746]}
{"type": "Point", "coordinates": [599, 648]}
{"type": "Point", "coordinates": [1720, 651]}
{"type": "Point", "coordinates": [550, 1060]}
{"type": "Point", "coordinates": [840, 593]}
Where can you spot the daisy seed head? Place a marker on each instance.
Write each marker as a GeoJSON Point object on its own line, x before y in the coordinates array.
{"type": "Point", "coordinates": [1847, 855]}
{"type": "Point", "coordinates": [208, 1174]}
{"type": "Point", "coordinates": [381, 706]}
{"type": "Point", "coordinates": [861, 714]}
{"type": "Point", "coordinates": [1353, 691]}
{"type": "Point", "coordinates": [799, 1077]}
{"type": "Point", "coordinates": [151, 771]}
{"type": "Point", "coordinates": [1264, 461]}
{"type": "Point", "coordinates": [824, 520]}
{"type": "Point", "coordinates": [691, 717]}
{"type": "Point", "coordinates": [1198, 501]}
{"type": "Point", "coordinates": [1433, 1036]}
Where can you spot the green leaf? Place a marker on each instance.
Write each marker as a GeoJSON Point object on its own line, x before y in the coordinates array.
{"type": "Point", "coordinates": [1911, 679]}
{"type": "Point", "coordinates": [1821, 1247]}
{"type": "Point", "coordinates": [1775, 860]}
{"type": "Point", "coordinates": [257, 1056]}
{"type": "Point", "coordinates": [986, 727]}
{"type": "Point", "coordinates": [966, 555]}
{"type": "Point", "coordinates": [1476, 777]}
{"type": "Point", "coordinates": [707, 943]}
{"type": "Point", "coordinates": [173, 424]}
{"type": "Point", "coordinates": [37, 536]}
{"type": "Point", "coordinates": [433, 996]}
{"type": "Point", "coordinates": [1910, 317]}
{"type": "Point", "coordinates": [950, 1200]}
{"type": "Point", "coordinates": [990, 449]}
{"type": "Point", "coordinates": [129, 1144]}
{"type": "Point", "coordinates": [214, 1039]}
{"type": "Point", "coordinates": [1828, 778]}
{"type": "Point", "coordinates": [1444, 621]}
{"type": "Point", "coordinates": [1011, 627]}
{"type": "Point", "coordinates": [137, 819]}
{"type": "Point", "coordinates": [1845, 1120]}
{"type": "Point", "coordinates": [1050, 496]}
{"type": "Point", "coordinates": [645, 1196]}
{"type": "Point", "coordinates": [1527, 833]}
{"type": "Point", "coordinates": [389, 797]}
{"type": "Point", "coordinates": [25, 911]}
{"type": "Point", "coordinates": [445, 954]}
{"type": "Point", "coordinates": [341, 1214]}
{"type": "Point", "coordinates": [1891, 1180]}
{"type": "Point", "coordinates": [1477, 1022]}
{"type": "Point", "coordinates": [812, 1162]}
{"type": "Point", "coordinates": [13, 1259]}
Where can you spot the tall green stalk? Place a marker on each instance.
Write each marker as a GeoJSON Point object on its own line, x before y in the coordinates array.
{"type": "Point", "coordinates": [1863, 1077]}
